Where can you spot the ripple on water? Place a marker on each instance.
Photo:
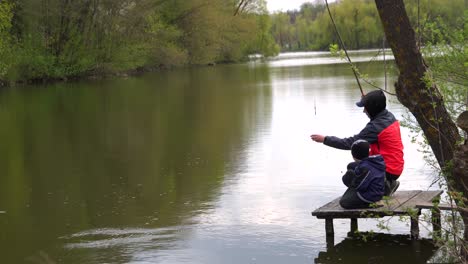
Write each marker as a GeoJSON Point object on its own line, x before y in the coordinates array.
{"type": "Point", "coordinates": [113, 237]}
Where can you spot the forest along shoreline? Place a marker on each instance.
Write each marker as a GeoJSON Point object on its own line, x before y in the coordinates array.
{"type": "Point", "coordinates": [94, 76]}
{"type": "Point", "coordinates": [55, 41]}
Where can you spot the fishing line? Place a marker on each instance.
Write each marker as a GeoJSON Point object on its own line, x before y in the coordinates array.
{"type": "Point", "coordinates": [315, 107]}
{"type": "Point", "coordinates": [349, 59]}
{"type": "Point", "coordinates": [385, 62]}
{"type": "Point", "coordinates": [344, 48]}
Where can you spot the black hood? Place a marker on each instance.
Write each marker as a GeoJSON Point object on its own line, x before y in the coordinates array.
{"type": "Point", "coordinates": [374, 102]}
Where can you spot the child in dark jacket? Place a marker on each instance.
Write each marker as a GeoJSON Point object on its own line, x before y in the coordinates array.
{"type": "Point", "coordinates": [365, 178]}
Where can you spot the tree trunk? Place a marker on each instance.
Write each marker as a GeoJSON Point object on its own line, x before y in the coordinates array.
{"type": "Point", "coordinates": [460, 175]}
{"type": "Point", "coordinates": [423, 100]}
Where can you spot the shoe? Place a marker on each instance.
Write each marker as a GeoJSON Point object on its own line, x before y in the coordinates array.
{"type": "Point", "coordinates": [393, 187]}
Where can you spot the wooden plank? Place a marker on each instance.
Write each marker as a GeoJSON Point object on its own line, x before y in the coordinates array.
{"type": "Point", "coordinates": [399, 199]}
{"type": "Point", "coordinates": [396, 202]}
{"type": "Point", "coordinates": [394, 206]}
{"type": "Point", "coordinates": [331, 206]}
{"type": "Point", "coordinates": [401, 203]}
{"type": "Point", "coordinates": [430, 195]}
{"type": "Point", "coordinates": [429, 205]}
{"type": "Point", "coordinates": [410, 205]}
{"type": "Point", "coordinates": [422, 197]}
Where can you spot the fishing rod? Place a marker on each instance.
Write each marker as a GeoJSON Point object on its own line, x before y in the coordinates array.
{"type": "Point", "coordinates": [344, 48]}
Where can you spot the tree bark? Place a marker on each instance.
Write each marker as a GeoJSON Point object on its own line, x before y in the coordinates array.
{"type": "Point", "coordinates": [424, 100]}
{"type": "Point", "coordinates": [241, 6]}
{"type": "Point", "coordinates": [460, 175]}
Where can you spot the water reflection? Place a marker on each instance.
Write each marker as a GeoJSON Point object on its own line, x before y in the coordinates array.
{"type": "Point", "coordinates": [144, 152]}
{"type": "Point", "coordinates": [375, 249]}
{"type": "Point", "coordinates": [206, 165]}
{"type": "Point", "coordinates": [295, 59]}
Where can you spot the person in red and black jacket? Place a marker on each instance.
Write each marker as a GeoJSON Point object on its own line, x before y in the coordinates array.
{"type": "Point", "coordinates": [382, 132]}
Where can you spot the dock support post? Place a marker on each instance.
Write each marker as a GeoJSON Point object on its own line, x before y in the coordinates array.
{"type": "Point", "coordinates": [329, 226]}
{"type": "Point", "coordinates": [330, 233]}
{"type": "Point", "coordinates": [436, 222]}
{"type": "Point", "coordinates": [354, 226]}
{"type": "Point", "coordinates": [435, 218]}
{"type": "Point", "coordinates": [415, 227]}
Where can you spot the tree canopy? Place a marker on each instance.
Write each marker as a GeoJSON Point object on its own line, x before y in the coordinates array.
{"type": "Point", "coordinates": [54, 39]}
{"type": "Point", "coordinates": [309, 28]}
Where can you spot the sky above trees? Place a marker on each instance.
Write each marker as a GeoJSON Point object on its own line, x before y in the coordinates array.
{"type": "Point", "coordinates": [283, 5]}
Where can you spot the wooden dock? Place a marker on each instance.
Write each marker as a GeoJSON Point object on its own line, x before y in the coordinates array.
{"type": "Point", "coordinates": [409, 203]}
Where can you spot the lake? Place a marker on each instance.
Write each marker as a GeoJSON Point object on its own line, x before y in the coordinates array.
{"type": "Point", "coordinates": [194, 165]}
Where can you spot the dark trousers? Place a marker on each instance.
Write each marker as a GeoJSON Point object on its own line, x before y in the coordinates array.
{"type": "Point", "coordinates": [350, 200]}
{"type": "Point", "coordinates": [389, 180]}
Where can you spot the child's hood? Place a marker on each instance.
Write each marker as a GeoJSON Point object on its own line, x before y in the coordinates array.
{"type": "Point", "coordinates": [375, 161]}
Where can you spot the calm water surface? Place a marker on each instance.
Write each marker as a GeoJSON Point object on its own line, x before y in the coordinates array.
{"type": "Point", "coordinates": [206, 165]}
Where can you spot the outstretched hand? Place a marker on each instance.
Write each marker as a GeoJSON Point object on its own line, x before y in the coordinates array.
{"type": "Point", "coordinates": [317, 138]}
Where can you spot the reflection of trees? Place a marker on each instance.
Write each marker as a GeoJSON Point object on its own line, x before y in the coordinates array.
{"type": "Point", "coordinates": [379, 248]}
{"type": "Point", "coordinates": [150, 151]}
